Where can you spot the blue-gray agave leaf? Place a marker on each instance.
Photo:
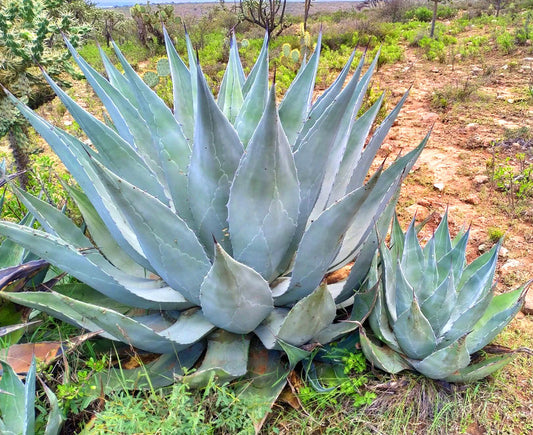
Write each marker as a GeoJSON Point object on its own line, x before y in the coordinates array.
{"type": "Point", "coordinates": [214, 160]}
{"type": "Point", "coordinates": [234, 296]}
{"type": "Point", "coordinates": [266, 188]}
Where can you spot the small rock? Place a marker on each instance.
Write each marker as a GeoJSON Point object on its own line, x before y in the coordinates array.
{"type": "Point", "coordinates": [472, 199]}
{"type": "Point", "coordinates": [509, 265]}
{"type": "Point", "coordinates": [510, 100]}
{"type": "Point", "coordinates": [481, 179]}
{"type": "Point", "coordinates": [505, 66]}
{"type": "Point", "coordinates": [67, 123]}
{"type": "Point", "coordinates": [439, 186]}
{"type": "Point", "coordinates": [471, 126]}
{"type": "Point", "coordinates": [430, 117]}
{"type": "Point", "coordinates": [504, 252]}
{"type": "Point", "coordinates": [528, 305]}
{"type": "Point", "coordinates": [482, 247]}
{"type": "Point", "coordinates": [424, 203]}
{"type": "Point", "coordinates": [417, 210]}
{"type": "Point", "coordinates": [435, 70]}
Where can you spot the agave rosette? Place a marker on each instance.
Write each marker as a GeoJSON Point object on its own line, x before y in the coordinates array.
{"type": "Point", "coordinates": [433, 311]}
{"type": "Point", "coordinates": [218, 218]}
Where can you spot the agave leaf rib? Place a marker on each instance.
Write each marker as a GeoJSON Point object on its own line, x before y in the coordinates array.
{"type": "Point", "coordinates": [255, 98]}
{"type": "Point", "coordinates": [117, 79]}
{"type": "Point", "coordinates": [387, 187]}
{"type": "Point", "coordinates": [252, 77]}
{"type": "Point", "coordinates": [354, 147]}
{"type": "Point", "coordinates": [101, 235]}
{"type": "Point", "coordinates": [103, 88]}
{"type": "Point", "coordinates": [353, 94]}
{"type": "Point", "coordinates": [328, 97]}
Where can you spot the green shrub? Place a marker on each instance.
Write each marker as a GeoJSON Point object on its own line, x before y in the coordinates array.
{"type": "Point", "coordinates": [505, 42]}
{"type": "Point", "coordinates": [445, 12]}
{"type": "Point", "coordinates": [419, 14]}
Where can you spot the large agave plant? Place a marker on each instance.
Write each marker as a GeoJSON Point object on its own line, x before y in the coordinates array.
{"type": "Point", "coordinates": [433, 311]}
{"type": "Point", "coordinates": [220, 218]}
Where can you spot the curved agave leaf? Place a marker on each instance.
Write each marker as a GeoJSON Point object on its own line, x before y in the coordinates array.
{"type": "Point", "coordinates": [354, 147]}
{"type": "Point", "coordinates": [382, 357]}
{"type": "Point", "coordinates": [412, 262]}
{"type": "Point", "coordinates": [113, 151]}
{"type": "Point", "coordinates": [226, 359]}
{"type": "Point", "coordinates": [255, 92]}
{"type": "Point", "coordinates": [444, 362]}
{"type": "Point", "coordinates": [215, 157]}
{"type": "Point", "coordinates": [379, 322]}
{"type": "Point", "coordinates": [165, 238]}
{"type": "Point", "coordinates": [363, 165]}
{"type": "Point", "coordinates": [117, 79]}
{"type": "Point", "coordinates": [294, 108]}
{"type": "Point", "coordinates": [230, 96]}
{"type": "Point", "coordinates": [17, 401]}
{"type": "Point", "coordinates": [139, 292]}
{"type": "Point", "coordinates": [328, 97]}
{"type": "Point", "coordinates": [308, 317]}
{"type": "Point", "coordinates": [323, 235]}
{"type": "Point", "coordinates": [268, 330]}
{"type": "Point", "coordinates": [353, 93]}
{"type": "Point", "coordinates": [181, 88]}
{"type": "Point", "coordinates": [478, 371]}
{"type": "Point", "coordinates": [234, 296]}
{"type": "Point", "coordinates": [254, 73]}
{"type": "Point", "coordinates": [499, 313]}
{"type": "Point", "coordinates": [190, 327]}
{"type": "Point", "coordinates": [101, 235]}
{"type": "Point", "coordinates": [414, 333]}
{"type": "Point", "coordinates": [80, 166]}
{"type": "Point", "coordinates": [167, 137]}
{"type": "Point", "coordinates": [386, 188]}
{"type": "Point", "coordinates": [266, 185]}
{"type": "Point", "coordinates": [439, 306]}
{"type": "Point", "coordinates": [193, 61]}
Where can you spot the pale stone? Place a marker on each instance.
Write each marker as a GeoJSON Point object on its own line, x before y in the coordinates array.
{"type": "Point", "coordinates": [481, 179]}
{"type": "Point", "coordinates": [472, 199]}
{"type": "Point", "coordinates": [439, 186]}
{"type": "Point", "coordinates": [528, 305]}
{"type": "Point", "coordinates": [509, 265]}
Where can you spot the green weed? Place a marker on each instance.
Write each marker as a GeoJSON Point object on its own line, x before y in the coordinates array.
{"type": "Point", "coordinates": [175, 410]}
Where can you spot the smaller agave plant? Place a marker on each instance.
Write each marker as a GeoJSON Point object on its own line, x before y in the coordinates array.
{"type": "Point", "coordinates": [433, 311]}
